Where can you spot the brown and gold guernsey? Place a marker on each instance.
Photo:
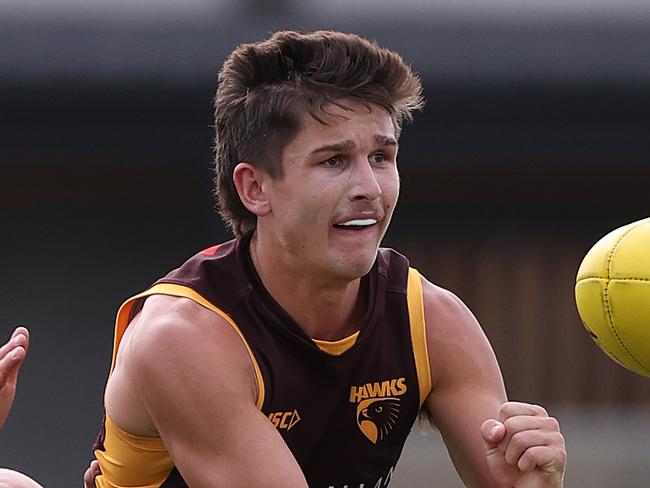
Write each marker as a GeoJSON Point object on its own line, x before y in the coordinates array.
{"type": "Point", "coordinates": [344, 408]}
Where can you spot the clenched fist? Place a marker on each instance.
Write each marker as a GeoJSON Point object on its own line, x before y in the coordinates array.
{"type": "Point", "coordinates": [524, 447]}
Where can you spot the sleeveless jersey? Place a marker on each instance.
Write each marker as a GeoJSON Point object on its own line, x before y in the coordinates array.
{"type": "Point", "coordinates": [344, 408]}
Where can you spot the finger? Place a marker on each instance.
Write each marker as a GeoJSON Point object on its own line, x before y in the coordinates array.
{"type": "Point", "coordinates": [10, 364]}
{"type": "Point", "coordinates": [523, 423]}
{"type": "Point", "coordinates": [95, 469]}
{"type": "Point", "coordinates": [520, 442]}
{"type": "Point", "coordinates": [492, 432]}
{"type": "Point", "coordinates": [20, 330]}
{"type": "Point", "coordinates": [511, 409]}
{"type": "Point", "coordinates": [14, 341]}
{"type": "Point", "coordinates": [20, 337]}
{"type": "Point", "coordinates": [90, 473]}
{"type": "Point", "coordinates": [21, 334]}
{"type": "Point", "coordinates": [543, 457]}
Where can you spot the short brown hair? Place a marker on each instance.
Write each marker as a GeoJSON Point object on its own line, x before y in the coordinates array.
{"type": "Point", "coordinates": [265, 86]}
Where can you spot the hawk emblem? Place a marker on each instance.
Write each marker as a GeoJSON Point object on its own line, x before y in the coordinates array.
{"type": "Point", "coordinates": [377, 416]}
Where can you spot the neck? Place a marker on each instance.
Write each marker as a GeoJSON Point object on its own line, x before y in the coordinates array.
{"type": "Point", "coordinates": [324, 309]}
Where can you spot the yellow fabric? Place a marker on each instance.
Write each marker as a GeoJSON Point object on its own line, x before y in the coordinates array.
{"type": "Point", "coordinates": [336, 348]}
{"type": "Point", "coordinates": [613, 295]}
{"type": "Point", "coordinates": [419, 333]}
{"type": "Point", "coordinates": [130, 460]}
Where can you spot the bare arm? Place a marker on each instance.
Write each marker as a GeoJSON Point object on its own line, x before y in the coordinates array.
{"type": "Point", "coordinates": [194, 378]}
{"type": "Point", "coordinates": [467, 386]}
{"type": "Point", "coordinates": [492, 442]}
{"type": "Point", "coordinates": [12, 355]}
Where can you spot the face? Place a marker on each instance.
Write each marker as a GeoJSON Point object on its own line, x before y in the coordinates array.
{"type": "Point", "coordinates": [331, 208]}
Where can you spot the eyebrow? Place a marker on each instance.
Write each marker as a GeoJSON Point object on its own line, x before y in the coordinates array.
{"type": "Point", "coordinates": [385, 140]}
{"type": "Point", "coordinates": [350, 144]}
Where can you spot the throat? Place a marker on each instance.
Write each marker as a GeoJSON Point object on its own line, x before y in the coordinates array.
{"type": "Point", "coordinates": [334, 318]}
{"type": "Point", "coordinates": [324, 311]}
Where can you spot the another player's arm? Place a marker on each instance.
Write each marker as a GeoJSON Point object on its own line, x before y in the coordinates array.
{"type": "Point", "coordinates": [467, 387]}
{"type": "Point", "coordinates": [196, 382]}
{"type": "Point", "coordinates": [12, 355]}
{"type": "Point", "coordinates": [492, 442]}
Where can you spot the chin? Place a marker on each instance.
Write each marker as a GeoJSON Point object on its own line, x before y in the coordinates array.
{"type": "Point", "coordinates": [357, 266]}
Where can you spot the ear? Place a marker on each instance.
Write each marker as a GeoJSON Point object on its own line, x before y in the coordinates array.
{"type": "Point", "coordinates": [249, 183]}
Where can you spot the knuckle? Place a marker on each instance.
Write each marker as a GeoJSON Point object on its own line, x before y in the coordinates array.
{"type": "Point", "coordinates": [518, 440]}
{"type": "Point", "coordinates": [534, 453]}
{"type": "Point", "coordinates": [541, 410]}
{"type": "Point", "coordinates": [527, 456]}
{"type": "Point", "coordinates": [558, 439]}
{"type": "Point", "coordinates": [552, 424]}
{"type": "Point", "coordinates": [504, 408]}
{"type": "Point", "coordinates": [511, 458]}
{"type": "Point", "coordinates": [527, 460]}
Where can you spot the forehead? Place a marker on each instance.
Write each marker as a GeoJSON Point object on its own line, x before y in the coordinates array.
{"type": "Point", "coordinates": [349, 120]}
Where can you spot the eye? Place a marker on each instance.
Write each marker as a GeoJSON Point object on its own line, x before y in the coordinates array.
{"type": "Point", "coordinates": [333, 161]}
{"type": "Point", "coordinates": [378, 158]}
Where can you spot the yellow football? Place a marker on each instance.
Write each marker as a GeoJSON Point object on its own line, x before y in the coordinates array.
{"type": "Point", "coordinates": [613, 295]}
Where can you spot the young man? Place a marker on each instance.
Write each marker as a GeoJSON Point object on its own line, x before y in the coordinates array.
{"type": "Point", "coordinates": [300, 353]}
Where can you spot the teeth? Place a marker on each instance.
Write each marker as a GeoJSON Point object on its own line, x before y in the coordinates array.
{"type": "Point", "coordinates": [359, 222]}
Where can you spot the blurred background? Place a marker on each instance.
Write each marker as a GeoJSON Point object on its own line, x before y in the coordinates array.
{"type": "Point", "coordinates": [534, 143]}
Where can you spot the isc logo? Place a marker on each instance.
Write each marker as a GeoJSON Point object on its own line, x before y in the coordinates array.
{"type": "Point", "coordinates": [284, 420]}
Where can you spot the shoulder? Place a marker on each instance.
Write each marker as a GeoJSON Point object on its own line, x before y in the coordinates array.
{"type": "Point", "coordinates": [165, 320]}
{"type": "Point", "coordinates": [177, 326]}
{"type": "Point", "coordinates": [175, 339]}
{"type": "Point", "coordinates": [192, 375]}
{"type": "Point", "coordinates": [172, 345]}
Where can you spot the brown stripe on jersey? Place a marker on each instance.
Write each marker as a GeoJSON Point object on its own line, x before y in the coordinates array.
{"type": "Point", "coordinates": [99, 440]}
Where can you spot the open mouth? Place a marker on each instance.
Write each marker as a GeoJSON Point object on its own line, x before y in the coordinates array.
{"type": "Point", "coordinates": [356, 224]}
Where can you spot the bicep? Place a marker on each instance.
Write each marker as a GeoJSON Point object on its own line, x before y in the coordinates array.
{"type": "Point", "coordinates": [467, 383]}
{"type": "Point", "coordinates": [242, 450]}
{"type": "Point", "coordinates": [195, 384]}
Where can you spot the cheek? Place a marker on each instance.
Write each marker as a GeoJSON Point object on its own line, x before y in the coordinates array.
{"type": "Point", "coordinates": [304, 210]}
{"type": "Point", "coordinates": [390, 190]}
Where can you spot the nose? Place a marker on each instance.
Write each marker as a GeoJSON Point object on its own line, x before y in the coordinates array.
{"type": "Point", "coordinates": [365, 183]}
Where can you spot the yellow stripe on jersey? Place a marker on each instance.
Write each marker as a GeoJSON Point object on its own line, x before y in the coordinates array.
{"type": "Point", "coordinates": [418, 333]}
{"type": "Point", "coordinates": [171, 289]}
{"type": "Point", "coordinates": [336, 348]}
{"type": "Point", "coordinates": [149, 463]}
